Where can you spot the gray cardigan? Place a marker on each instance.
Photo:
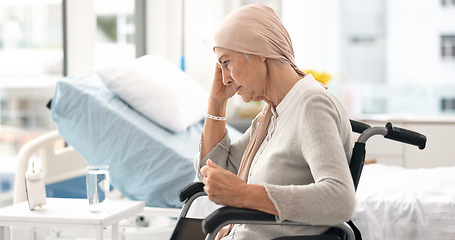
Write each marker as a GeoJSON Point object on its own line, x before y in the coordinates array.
{"type": "Point", "coordinates": [303, 166]}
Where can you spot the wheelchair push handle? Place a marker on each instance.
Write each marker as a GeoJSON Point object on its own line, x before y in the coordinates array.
{"type": "Point", "coordinates": [406, 136]}
{"type": "Point", "coordinates": [358, 127]}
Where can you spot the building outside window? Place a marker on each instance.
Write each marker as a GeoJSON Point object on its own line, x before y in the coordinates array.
{"type": "Point", "coordinates": [115, 34]}
{"type": "Point", "coordinates": [384, 57]}
{"type": "Point", "coordinates": [448, 3]}
{"type": "Point", "coordinates": [448, 47]}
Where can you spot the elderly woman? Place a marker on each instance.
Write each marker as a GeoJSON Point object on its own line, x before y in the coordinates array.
{"type": "Point", "coordinates": [293, 161]}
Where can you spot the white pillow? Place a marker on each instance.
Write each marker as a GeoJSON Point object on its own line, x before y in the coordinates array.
{"type": "Point", "coordinates": [159, 90]}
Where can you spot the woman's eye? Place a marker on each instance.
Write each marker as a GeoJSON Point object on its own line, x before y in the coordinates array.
{"type": "Point", "coordinates": [226, 63]}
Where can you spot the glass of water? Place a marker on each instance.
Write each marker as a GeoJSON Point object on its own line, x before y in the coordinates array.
{"type": "Point", "coordinates": [98, 184]}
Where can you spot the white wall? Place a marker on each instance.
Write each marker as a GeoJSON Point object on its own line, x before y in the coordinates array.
{"type": "Point", "coordinates": [316, 42]}
{"type": "Point", "coordinates": [81, 21]}
{"type": "Point", "coordinates": [165, 31]}
{"type": "Point", "coordinates": [201, 19]}
{"type": "Point", "coordinates": [164, 28]}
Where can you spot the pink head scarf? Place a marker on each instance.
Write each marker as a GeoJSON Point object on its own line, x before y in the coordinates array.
{"type": "Point", "coordinates": [256, 29]}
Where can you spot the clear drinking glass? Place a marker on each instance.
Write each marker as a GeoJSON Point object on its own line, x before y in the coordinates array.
{"type": "Point", "coordinates": [98, 184]}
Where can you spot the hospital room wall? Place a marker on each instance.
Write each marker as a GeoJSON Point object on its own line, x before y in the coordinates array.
{"type": "Point", "coordinates": [173, 36]}
{"type": "Point", "coordinates": [201, 20]}
{"type": "Point", "coordinates": [314, 28]}
{"type": "Point", "coordinates": [170, 37]}
{"type": "Point", "coordinates": [163, 29]}
{"type": "Point", "coordinates": [202, 16]}
{"type": "Point", "coordinates": [79, 51]}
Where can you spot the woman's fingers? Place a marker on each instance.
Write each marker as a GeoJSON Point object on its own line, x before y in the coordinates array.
{"type": "Point", "coordinates": [207, 172]}
{"type": "Point", "coordinates": [213, 165]}
{"type": "Point", "coordinates": [211, 179]}
{"type": "Point", "coordinates": [221, 186]}
{"type": "Point", "coordinates": [219, 90]}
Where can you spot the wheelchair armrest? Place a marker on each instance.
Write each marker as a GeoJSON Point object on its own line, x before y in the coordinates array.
{"type": "Point", "coordinates": [231, 215]}
{"type": "Point", "coordinates": [228, 215]}
{"type": "Point", "coordinates": [190, 190]}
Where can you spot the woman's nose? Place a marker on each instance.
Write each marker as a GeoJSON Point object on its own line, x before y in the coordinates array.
{"type": "Point", "coordinates": [227, 80]}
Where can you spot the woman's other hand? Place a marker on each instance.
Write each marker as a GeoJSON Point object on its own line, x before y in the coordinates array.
{"type": "Point", "coordinates": [222, 186]}
{"type": "Point", "coordinates": [225, 188]}
{"type": "Point", "coordinates": [219, 90]}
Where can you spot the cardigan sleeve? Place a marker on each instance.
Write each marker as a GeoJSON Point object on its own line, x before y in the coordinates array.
{"type": "Point", "coordinates": [225, 154]}
{"type": "Point", "coordinates": [324, 143]}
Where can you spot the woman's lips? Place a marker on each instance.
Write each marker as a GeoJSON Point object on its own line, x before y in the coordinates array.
{"type": "Point", "coordinates": [237, 89]}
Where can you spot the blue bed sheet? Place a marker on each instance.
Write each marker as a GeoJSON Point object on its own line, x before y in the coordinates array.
{"type": "Point", "coordinates": [71, 188]}
{"type": "Point", "coordinates": [147, 162]}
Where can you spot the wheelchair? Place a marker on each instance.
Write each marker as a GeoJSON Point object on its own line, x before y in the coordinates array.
{"type": "Point", "coordinates": [207, 228]}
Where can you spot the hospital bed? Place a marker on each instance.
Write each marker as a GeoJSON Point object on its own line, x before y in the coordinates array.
{"type": "Point", "coordinates": [152, 164]}
{"type": "Point", "coordinates": [399, 203]}
{"type": "Point", "coordinates": [147, 162]}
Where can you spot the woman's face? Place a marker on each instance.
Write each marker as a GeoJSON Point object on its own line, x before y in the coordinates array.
{"type": "Point", "coordinates": [246, 74]}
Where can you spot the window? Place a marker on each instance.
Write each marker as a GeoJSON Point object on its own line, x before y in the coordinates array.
{"type": "Point", "coordinates": [32, 56]}
{"type": "Point", "coordinates": [35, 39]}
{"type": "Point", "coordinates": [447, 3]}
{"type": "Point", "coordinates": [448, 47]}
{"type": "Point", "coordinates": [379, 65]}
{"type": "Point", "coordinates": [115, 32]}
{"type": "Point", "coordinates": [31, 60]}
{"type": "Point", "coordinates": [448, 105]}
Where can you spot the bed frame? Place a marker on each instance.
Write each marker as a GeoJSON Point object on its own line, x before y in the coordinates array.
{"type": "Point", "coordinates": [57, 163]}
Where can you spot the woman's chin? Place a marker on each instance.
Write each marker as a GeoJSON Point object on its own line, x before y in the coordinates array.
{"type": "Point", "coordinates": [245, 99]}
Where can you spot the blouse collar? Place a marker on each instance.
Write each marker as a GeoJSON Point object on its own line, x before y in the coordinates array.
{"type": "Point", "coordinates": [296, 91]}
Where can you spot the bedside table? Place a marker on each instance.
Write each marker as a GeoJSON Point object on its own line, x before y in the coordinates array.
{"type": "Point", "coordinates": [68, 213]}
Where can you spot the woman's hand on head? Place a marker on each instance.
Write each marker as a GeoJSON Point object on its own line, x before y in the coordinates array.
{"type": "Point", "coordinates": [219, 90]}
{"type": "Point", "coordinates": [222, 186]}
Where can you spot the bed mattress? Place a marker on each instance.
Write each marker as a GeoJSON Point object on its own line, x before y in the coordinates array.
{"type": "Point", "coordinates": [398, 203]}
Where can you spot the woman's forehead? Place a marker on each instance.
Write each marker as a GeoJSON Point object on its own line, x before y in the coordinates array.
{"type": "Point", "coordinates": [222, 53]}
